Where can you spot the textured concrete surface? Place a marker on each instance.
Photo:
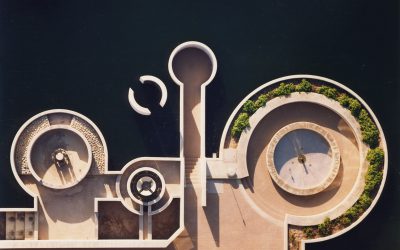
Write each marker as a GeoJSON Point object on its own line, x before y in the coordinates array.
{"type": "Point", "coordinates": [228, 222]}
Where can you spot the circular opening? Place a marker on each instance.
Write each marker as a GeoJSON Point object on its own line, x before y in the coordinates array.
{"type": "Point", "coordinates": [192, 63]}
{"type": "Point", "coordinates": [146, 186]}
{"type": "Point", "coordinates": [59, 157]}
{"type": "Point", "coordinates": [304, 158]}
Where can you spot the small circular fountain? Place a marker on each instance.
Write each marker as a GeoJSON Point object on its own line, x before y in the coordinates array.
{"type": "Point", "coordinates": [146, 186]}
{"type": "Point", "coordinates": [303, 158]}
{"type": "Point", "coordinates": [59, 157]}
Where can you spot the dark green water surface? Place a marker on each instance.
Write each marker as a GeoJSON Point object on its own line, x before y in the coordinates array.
{"type": "Point", "coordinates": [84, 55]}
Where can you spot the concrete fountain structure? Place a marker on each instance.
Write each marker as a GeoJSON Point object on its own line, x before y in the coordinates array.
{"type": "Point", "coordinates": [293, 169]}
{"type": "Point", "coordinates": [59, 157]}
{"type": "Point", "coordinates": [303, 158]}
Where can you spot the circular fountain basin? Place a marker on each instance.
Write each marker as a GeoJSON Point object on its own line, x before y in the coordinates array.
{"type": "Point", "coordinates": [53, 169]}
{"type": "Point", "coordinates": [303, 158]}
{"type": "Point", "coordinates": [146, 186]}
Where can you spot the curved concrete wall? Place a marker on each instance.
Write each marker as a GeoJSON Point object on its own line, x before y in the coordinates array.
{"type": "Point", "coordinates": [318, 218]}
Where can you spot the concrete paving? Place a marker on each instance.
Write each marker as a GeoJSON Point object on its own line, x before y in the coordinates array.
{"type": "Point", "coordinates": [68, 214]}
{"type": "Point", "coordinates": [225, 223]}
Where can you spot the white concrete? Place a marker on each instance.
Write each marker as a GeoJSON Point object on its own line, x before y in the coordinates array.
{"type": "Point", "coordinates": [135, 105]}
{"type": "Point", "coordinates": [160, 84]}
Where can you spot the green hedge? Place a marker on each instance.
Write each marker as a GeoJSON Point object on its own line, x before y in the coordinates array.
{"type": "Point", "coordinates": [249, 107]}
{"type": "Point", "coordinates": [304, 86]}
{"type": "Point", "coordinates": [309, 232]}
{"type": "Point", "coordinates": [240, 124]}
{"type": "Point", "coordinates": [369, 131]}
{"type": "Point", "coordinates": [284, 89]}
{"type": "Point", "coordinates": [373, 178]}
{"type": "Point", "coordinates": [376, 156]}
{"type": "Point", "coordinates": [343, 99]}
{"type": "Point", "coordinates": [351, 104]}
{"type": "Point", "coordinates": [262, 100]}
{"type": "Point", "coordinates": [325, 228]}
{"type": "Point", "coordinates": [328, 92]}
{"type": "Point", "coordinates": [354, 106]}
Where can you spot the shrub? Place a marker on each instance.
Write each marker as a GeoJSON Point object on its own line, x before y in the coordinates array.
{"type": "Point", "coordinates": [249, 107]}
{"type": "Point", "coordinates": [345, 221]}
{"type": "Point", "coordinates": [325, 228]}
{"type": "Point", "coordinates": [261, 100]}
{"type": "Point", "coordinates": [354, 106]}
{"type": "Point", "coordinates": [370, 137]}
{"type": "Point", "coordinates": [328, 92]}
{"type": "Point", "coordinates": [309, 232]}
{"type": "Point", "coordinates": [351, 103]}
{"type": "Point", "coordinates": [369, 131]}
{"type": "Point", "coordinates": [353, 212]}
{"type": "Point", "coordinates": [363, 117]}
{"type": "Point", "coordinates": [364, 201]}
{"type": "Point", "coordinates": [240, 124]}
{"type": "Point", "coordinates": [304, 86]}
{"type": "Point", "coordinates": [376, 156]}
{"type": "Point", "coordinates": [284, 89]}
{"type": "Point", "coordinates": [372, 179]}
{"type": "Point", "coordinates": [343, 99]}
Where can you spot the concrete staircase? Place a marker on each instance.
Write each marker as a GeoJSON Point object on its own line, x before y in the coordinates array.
{"type": "Point", "coordinates": [192, 171]}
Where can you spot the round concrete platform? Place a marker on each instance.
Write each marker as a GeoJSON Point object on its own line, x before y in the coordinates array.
{"type": "Point", "coordinates": [303, 158]}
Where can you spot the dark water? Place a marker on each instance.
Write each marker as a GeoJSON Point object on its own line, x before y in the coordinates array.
{"type": "Point", "coordinates": [84, 55]}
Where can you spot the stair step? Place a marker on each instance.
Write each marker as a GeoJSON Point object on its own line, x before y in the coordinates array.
{"type": "Point", "coordinates": [192, 176]}
{"type": "Point", "coordinates": [194, 167]}
{"type": "Point", "coordinates": [193, 182]}
{"type": "Point", "coordinates": [191, 160]}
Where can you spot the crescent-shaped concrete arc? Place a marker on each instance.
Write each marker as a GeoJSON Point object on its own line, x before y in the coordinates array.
{"type": "Point", "coordinates": [136, 106]}
{"type": "Point", "coordinates": [160, 84]}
